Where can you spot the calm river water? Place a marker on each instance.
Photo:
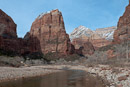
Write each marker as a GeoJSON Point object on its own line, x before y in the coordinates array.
{"type": "Point", "coordinates": [70, 78]}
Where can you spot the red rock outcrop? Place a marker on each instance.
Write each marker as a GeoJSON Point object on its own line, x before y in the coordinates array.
{"type": "Point", "coordinates": [8, 35]}
{"type": "Point", "coordinates": [17, 45]}
{"type": "Point", "coordinates": [123, 29]}
{"type": "Point", "coordinates": [49, 30]}
{"type": "Point", "coordinates": [110, 54]}
{"type": "Point", "coordinates": [97, 43]}
{"type": "Point", "coordinates": [83, 47]}
{"type": "Point", "coordinates": [47, 34]}
{"type": "Point", "coordinates": [7, 26]}
{"type": "Point", "coordinates": [88, 48]}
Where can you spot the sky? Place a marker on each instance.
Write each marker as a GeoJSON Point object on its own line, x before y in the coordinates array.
{"type": "Point", "coordinates": [90, 13]}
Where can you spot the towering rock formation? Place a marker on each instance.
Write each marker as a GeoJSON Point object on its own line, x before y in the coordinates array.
{"type": "Point", "coordinates": [7, 26]}
{"type": "Point", "coordinates": [49, 30]}
{"type": "Point", "coordinates": [47, 34]}
{"type": "Point", "coordinates": [8, 36]}
{"type": "Point", "coordinates": [123, 29]}
{"type": "Point", "coordinates": [8, 33]}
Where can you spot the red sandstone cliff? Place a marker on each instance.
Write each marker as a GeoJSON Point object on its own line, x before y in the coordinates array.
{"type": "Point", "coordinates": [83, 47]}
{"type": "Point", "coordinates": [123, 29]}
{"type": "Point", "coordinates": [47, 34]}
{"type": "Point", "coordinates": [49, 30]}
{"type": "Point", "coordinates": [8, 36]}
{"type": "Point", "coordinates": [7, 26]}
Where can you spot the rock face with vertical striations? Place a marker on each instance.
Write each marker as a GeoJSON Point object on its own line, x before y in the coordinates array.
{"type": "Point", "coordinates": [123, 29]}
{"type": "Point", "coordinates": [49, 30]}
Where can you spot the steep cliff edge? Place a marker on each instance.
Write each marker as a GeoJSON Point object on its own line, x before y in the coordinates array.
{"type": "Point", "coordinates": [7, 26]}
{"type": "Point", "coordinates": [123, 29]}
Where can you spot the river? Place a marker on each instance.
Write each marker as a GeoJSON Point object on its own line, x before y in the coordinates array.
{"type": "Point", "coordinates": [68, 78]}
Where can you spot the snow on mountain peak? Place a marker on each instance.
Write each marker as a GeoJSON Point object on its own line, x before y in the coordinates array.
{"type": "Point", "coordinates": [82, 27]}
{"type": "Point", "coordinates": [42, 14]}
{"type": "Point", "coordinates": [106, 33]}
{"type": "Point", "coordinates": [79, 31]}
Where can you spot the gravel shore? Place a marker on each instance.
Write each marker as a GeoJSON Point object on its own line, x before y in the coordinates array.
{"type": "Point", "coordinates": [115, 76]}
{"type": "Point", "coordinates": [11, 73]}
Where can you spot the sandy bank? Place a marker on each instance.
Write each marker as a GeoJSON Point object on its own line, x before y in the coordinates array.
{"type": "Point", "coordinates": [9, 73]}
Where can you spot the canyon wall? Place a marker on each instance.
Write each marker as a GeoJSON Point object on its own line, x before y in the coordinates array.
{"type": "Point", "coordinates": [123, 29]}
{"type": "Point", "coordinates": [47, 34]}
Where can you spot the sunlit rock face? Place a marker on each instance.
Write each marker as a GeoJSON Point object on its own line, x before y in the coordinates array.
{"type": "Point", "coordinates": [49, 30]}
{"type": "Point", "coordinates": [123, 29]}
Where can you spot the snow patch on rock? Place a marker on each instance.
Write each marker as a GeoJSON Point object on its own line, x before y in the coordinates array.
{"type": "Point", "coordinates": [42, 14]}
{"type": "Point", "coordinates": [81, 30]}
{"type": "Point", "coordinates": [106, 33]}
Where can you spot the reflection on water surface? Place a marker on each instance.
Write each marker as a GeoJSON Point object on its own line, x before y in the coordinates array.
{"type": "Point", "coordinates": [73, 78]}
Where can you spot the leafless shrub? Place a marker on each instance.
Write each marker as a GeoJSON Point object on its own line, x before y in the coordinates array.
{"type": "Point", "coordinates": [99, 57]}
{"type": "Point", "coordinates": [120, 60]}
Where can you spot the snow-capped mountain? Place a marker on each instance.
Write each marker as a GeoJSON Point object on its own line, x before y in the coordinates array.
{"type": "Point", "coordinates": [106, 33]}
{"type": "Point", "coordinates": [81, 31]}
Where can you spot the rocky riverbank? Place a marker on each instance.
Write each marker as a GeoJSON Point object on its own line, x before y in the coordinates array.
{"type": "Point", "coordinates": [115, 76]}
